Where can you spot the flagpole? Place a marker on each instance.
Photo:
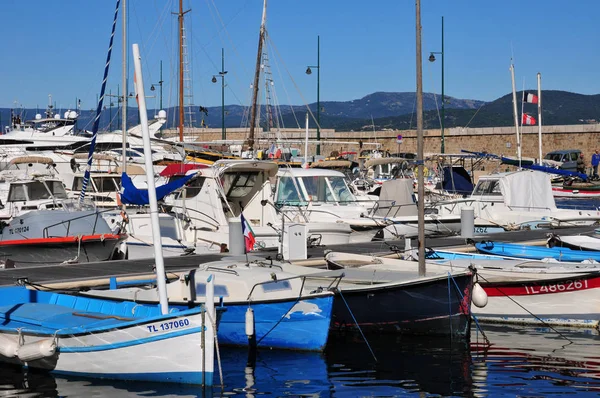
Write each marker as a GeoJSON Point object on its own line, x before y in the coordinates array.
{"type": "Point", "coordinates": [515, 111]}
{"type": "Point", "coordinates": [539, 84]}
{"type": "Point", "coordinates": [522, 115]}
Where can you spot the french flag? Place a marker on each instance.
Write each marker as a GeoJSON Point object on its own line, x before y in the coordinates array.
{"type": "Point", "coordinates": [249, 238]}
{"type": "Point", "coordinates": [530, 98]}
{"type": "Point", "coordinates": [528, 120]}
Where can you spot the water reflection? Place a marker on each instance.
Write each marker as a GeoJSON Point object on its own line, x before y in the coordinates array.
{"type": "Point", "coordinates": [517, 362]}
{"type": "Point", "coordinates": [539, 361]}
{"type": "Point", "coordinates": [399, 365]}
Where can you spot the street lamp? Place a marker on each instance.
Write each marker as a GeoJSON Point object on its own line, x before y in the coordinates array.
{"type": "Point", "coordinates": [160, 83]}
{"type": "Point", "coordinates": [308, 72]}
{"type": "Point", "coordinates": [222, 74]}
{"type": "Point", "coordinates": [432, 59]}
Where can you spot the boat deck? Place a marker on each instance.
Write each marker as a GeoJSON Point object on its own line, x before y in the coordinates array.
{"type": "Point", "coordinates": [52, 274]}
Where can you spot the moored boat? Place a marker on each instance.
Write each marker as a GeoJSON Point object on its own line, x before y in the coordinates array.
{"type": "Point", "coordinates": [536, 252]}
{"type": "Point", "coordinates": [97, 338]}
{"type": "Point", "coordinates": [396, 301]}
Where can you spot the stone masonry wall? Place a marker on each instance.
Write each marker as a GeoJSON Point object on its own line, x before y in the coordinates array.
{"type": "Point", "coordinates": [496, 140]}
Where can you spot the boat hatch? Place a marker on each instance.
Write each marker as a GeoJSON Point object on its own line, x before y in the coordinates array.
{"type": "Point", "coordinates": [36, 190]}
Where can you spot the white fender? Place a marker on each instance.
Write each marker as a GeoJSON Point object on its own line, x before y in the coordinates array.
{"type": "Point", "coordinates": [8, 346]}
{"type": "Point", "coordinates": [38, 350]}
{"type": "Point", "coordinates": [250, 322]}
{"type": "Point", "coordinates": [479, 297]}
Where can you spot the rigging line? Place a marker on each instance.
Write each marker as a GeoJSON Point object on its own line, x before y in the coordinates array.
{"type": "Point", "coordinates": [481, 106]}
{"type": "Point", "coordinates": [236, 53]}
{"type": "Point", "coordinates": [412, 114]}
{"type": "Point", "coordinates": [86, 176]}
{"type": "Point", "coordinates": [529, 312]}
{"type": "Point", "coordinates": [284, 88]}
{"type": "Point", "coordinates": [437, 108]}
{"type": "Point", "coordinates": [296, 85]}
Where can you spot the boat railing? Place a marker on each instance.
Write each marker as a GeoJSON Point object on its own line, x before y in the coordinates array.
{"type": "Point", "coordinates": [333, 284]}
{"type": "Point", "coordinates": [96, 215]}
{"type": "Point", "coordinates": [224, 270]}
{"type": "Point", "coordinates": [186, 210]}
{"type": "Point", "coordinates": [389, 209]}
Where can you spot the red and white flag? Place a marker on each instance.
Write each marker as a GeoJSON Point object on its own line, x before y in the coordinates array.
{"type": "Point", "coordinates": [249, 239]}
{"type": "Point", "coordinates": [530, 98]}
{"type": "Point", "coordinates": [528, 120]}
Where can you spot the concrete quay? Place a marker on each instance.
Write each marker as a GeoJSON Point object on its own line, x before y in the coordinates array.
{"type": "Point", "coordinates": [81, 274]}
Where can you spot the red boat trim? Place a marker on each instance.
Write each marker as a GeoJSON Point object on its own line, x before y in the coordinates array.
{"type": "Point", "coordinates": [65, 239]}
{"type": "Point", "coordinates": [543, 287]}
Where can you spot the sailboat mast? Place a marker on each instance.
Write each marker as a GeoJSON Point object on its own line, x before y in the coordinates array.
{"type": "Point", "coordinates": [539, 84]}
{"type": "Point", "coordinates": [154, 221]}
{"type": "Point", "coordinates": [254, 110]}
{"type": "Point", "coordinates": [515, 111]}
{"type": "Point", "coordinates": [180, 18]}
{"type": "Point", "coordinates": [420, 177]}
{"type": "Point", "coordinates": [124, 82]}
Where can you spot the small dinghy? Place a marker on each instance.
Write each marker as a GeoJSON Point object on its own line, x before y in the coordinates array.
{"type": "Point", "coordinates": [575, 242]}
{"type": "Point", "coordinates": [537, 252]}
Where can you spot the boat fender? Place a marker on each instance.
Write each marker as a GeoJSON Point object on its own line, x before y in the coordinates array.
{"type": "Point", "coordinates": [8, 346]}
{"type": "Point", "coordinates": [250, 323]}
{"type": "Point", "coordinates": [38, 350]}
{"type": "Point", "coordinates": [479, 296]}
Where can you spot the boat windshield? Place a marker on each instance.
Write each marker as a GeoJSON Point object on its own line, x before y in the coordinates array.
{"type": "Point", "coordinates": [107, 184]}
{"type": "Point", "coordinates": [326, 189]}
{"type": "Point", "coordinates": [36, 190]}
{"type": "Point", "coordinates": [488, 188]}
{"type": "Point", "coordinates": [287, 192]}
{"type": "Point", "coordinates": [238, 185]}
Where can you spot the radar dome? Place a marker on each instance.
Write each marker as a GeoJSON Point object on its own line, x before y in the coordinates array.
{"type": "Point", "coordinates": [72, 115]}
{"type": "Point", "coordinates": [38, 116]}
{"type": "Point", "coordinates": [66, 114]}
{"type": "Point", "coordinates": [57, 116]}
{"type": "Point", "coordinates": [162, 114]}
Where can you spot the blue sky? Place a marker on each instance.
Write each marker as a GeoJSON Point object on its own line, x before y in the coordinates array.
{"type": "Point", "coordinates": [59, 48]}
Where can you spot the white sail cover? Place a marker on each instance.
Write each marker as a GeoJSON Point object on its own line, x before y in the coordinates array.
{"type": "Point", "coordinates": [398, 193]}
{"type": "Point", "coordinates": [527, 190]}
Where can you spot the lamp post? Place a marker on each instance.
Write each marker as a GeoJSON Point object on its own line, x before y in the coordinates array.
{"type": "Point", "coordinates": [432, 59]}
{"type": "Point", "coordinates": [222, 74]}
{"type": "Point", "coordinates": [308, 72]}
{"type": "Point", "coordinates": [160, 83]}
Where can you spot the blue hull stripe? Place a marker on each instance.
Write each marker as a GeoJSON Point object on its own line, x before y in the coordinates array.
{"type": "Point", "coordinates": [130, 343]}
{"type": "Point", "coordinates": [166, 377]}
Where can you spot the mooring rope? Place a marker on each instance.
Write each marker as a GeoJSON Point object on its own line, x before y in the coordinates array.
{"type": "Point", "coordinates": [470, 312]}
{"type": "Point", "coordinates": [356, 323]}
{"type": "Point", "coordinates": [529, 312]}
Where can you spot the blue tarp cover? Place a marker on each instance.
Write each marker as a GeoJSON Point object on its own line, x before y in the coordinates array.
{"type": "Point", "coordinates": [132, 195]}
{"type": "Point", "coordinates": [457, 180]}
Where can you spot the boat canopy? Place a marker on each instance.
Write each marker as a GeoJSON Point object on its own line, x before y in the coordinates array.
{"type": "Point", "coordinates": [527, 190]}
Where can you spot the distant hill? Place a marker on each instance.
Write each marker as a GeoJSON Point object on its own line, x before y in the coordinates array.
{"type": "Point", "coordinates": [558, 108]}
{"type": "Point", "coordinates": [384, 110]}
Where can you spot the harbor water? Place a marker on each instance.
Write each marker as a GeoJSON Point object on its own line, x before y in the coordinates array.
{"type": "Point", "coordinates": [518, 361]}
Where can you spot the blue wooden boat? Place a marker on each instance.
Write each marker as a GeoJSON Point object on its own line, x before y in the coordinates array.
{"type": "Point", "coordinates": [536, 252]}
{"type": "Point", "coordinates": [91, 337]}
{"type": "Point", "coordinates": [286, 314]}
{"type": "Point", "coordinates": [451, 255]}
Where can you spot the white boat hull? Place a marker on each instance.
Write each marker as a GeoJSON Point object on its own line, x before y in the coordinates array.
{"type": "Point", "coordinates": [173, 359]}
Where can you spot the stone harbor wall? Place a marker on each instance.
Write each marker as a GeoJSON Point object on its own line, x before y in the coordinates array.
{"type": "Point", "coordinates": [496, 140]}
